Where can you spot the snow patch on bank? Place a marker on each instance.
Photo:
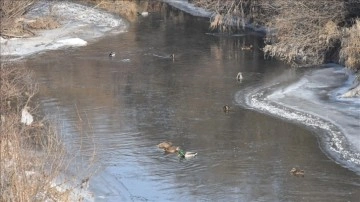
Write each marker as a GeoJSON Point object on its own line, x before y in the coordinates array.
{"type": "Point", "coordinates": [80, 24]}
{"type": "Point", "coordinates": [315, 101]}
{"type": "Point", "coordinates": [187, 7]}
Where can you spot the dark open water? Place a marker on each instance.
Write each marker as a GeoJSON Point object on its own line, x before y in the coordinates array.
{"type": "Point", "coordinates": [134, 101]}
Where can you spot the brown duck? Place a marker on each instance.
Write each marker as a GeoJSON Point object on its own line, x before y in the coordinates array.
{"type": "Point", "coordinates": [164, 145]}
{"type": "Point", "coordinates": [172, 149]}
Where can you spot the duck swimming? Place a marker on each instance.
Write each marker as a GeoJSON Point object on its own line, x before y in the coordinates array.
{"type": "Point", "coordinates": [164, 145]}
{"type": "Point", "coordinates": [247, 47]}
{"type": "Point", "coordinates": [297, 172]}
{"type": "Point", "coordinates": [112, 54]}
{"type": "Point", "coordinates": [184, 154]}
{"type": "Point", "coordinates": [239, 76]}
{"type": "Point", "coordinates": [226, 108]}
{"type": "Point", "coordinates": [172, 149]}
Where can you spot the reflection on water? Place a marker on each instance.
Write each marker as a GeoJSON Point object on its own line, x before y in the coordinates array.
{"type": "Point", "coordinates": [130, 106]}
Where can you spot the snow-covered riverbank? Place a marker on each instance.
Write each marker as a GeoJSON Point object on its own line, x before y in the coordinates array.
{"type": "Point", "coordinates": [314, 100]}
{"type": "Point", "coordinates": [79, 25]}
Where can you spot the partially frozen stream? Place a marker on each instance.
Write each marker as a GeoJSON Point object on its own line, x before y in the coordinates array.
{"type": "Point", "coordinates": [135, 100]}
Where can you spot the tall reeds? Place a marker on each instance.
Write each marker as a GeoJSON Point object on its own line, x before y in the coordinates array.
{"type": "Point", "coordinates": [302, 32]}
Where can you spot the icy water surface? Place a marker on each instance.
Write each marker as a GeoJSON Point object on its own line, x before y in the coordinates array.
{"type": "Point", "coordinates": [141, 97]}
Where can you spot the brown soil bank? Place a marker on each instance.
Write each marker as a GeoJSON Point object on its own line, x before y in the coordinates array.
{"type": "Point", "coordinates": [302, 32]}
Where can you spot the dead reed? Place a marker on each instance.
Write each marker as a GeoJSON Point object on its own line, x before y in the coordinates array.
{"type": "Point", "coordinates": [350, 52]}
{"type": "Point", "coordinates": [33, 159]}
{"type": "Point", "coordinates": [303, 32]}
{"type": "Point", "coordinates": [11, 13]}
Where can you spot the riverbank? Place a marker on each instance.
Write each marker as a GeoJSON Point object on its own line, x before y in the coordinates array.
{"type": "Point", "coordinates": [35, 164]}
{"type": "Point", "coordinates": [327, 104]}
{"type": "Point", "coordinates": [120, 177]}
{"type": "Point", "coordinates": [309, 100]}
{"type": "Point", "coordinates": [79, 25]}
{"type": "Point", "coordinates": [338, 38]}
{"type": "Point", "coordinates": [134, 105]}
{"type": "Point", "coordinates": [33, 158]}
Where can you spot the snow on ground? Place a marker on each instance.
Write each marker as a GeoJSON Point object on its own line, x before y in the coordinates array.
{"type": "Point", "coordinates": [315, 101]}
{"type": "Point", "coordinates": [189, 8]}
{"type": "Point", "coordinates": [80, 24]}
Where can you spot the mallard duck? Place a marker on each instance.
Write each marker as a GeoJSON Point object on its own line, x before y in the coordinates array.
{"type": "Point", "coordinates": [112, 54]}
{"type": "Point", "coordinates": [297, 172]}
{"type": "Point", "coordinates": [247, 47]}
{"type": "Point", "coordinates": [172, 149]}
{"type": "Point", "coordinates": [239, 76]}
{"type": "Point", "coordinates": [164, 145]}
{"type": "Point", "coordinates": [226, 108]}
{"type": "Point", "coordinates": [184, 154]}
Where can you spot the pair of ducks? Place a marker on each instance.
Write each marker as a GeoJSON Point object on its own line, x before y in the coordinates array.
{"type": "Point", "coordinates": [239, 77]}
{"type": "Point", "coordinates": [169, 148]}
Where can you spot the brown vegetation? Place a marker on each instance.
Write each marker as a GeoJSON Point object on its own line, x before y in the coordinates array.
{"type": "Point", "coordinates": [350, 52]}
{"type": "Point", "coordinates": [48, 22]}
{"type": "Point", "coordinates": [11, 13]}
{"type": "Point", "coordinates": [14, 25]}
{"type": "Point", "coordinates": [128, 9]}
{"type": "Point", "coordinates": [303, 32]}
{"type": "Point", "coordinates": [32, 157]}
{"type": "Point", "coordinates": [306, 33]}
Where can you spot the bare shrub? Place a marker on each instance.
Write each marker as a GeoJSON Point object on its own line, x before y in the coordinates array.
{"type": "Point", "coordinates": [230, 14]}
{"type": "Point", "coordinates": [305, 31]}
{"type": "Point", "coordinates": [33, 159]}
{"type": "Point", "coordinates": [10, 12]}
{"type": "Point", "coordinates": [350, 52]}
{"type": "Point", "coordinates": [302, 32]}
{"type": "Point", "coordinates": [13, 23]}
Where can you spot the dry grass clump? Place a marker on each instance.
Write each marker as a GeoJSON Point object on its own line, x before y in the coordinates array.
{"type": "Point", "coordinates": [32, 157]}
{"type": "Point", "coordinates": [350, 52]}
{"type": "Point", "coordinates": [303, 32]}
{"type": "Point", "coordinates": [306, 33]}
{"type": "Point", "coordinates": [230, 14]}
{"type": "Point", "coordinates": [47, 22]}
{"type": "Point", "coordinates": [11, 12]}
{"type": "Point", "coordinates": [128, 9]}
{"type": "Point", "coordinates": [13, 24]}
